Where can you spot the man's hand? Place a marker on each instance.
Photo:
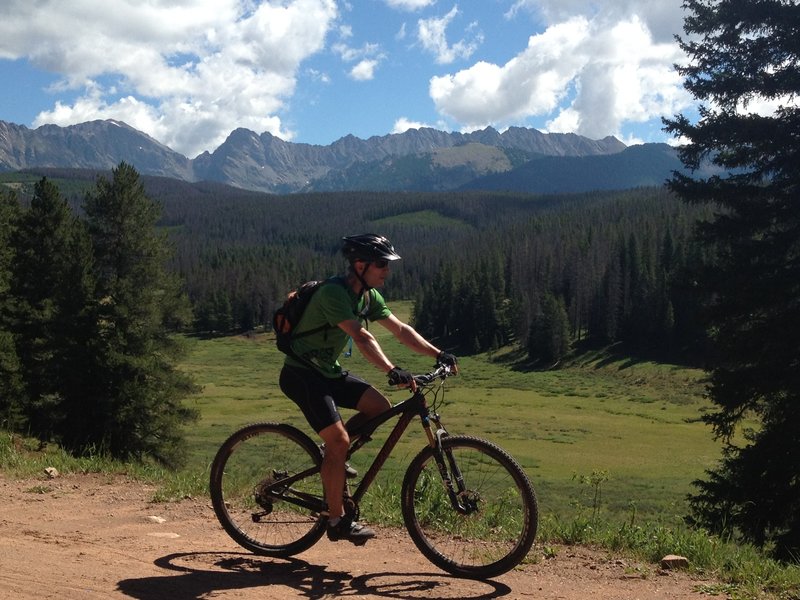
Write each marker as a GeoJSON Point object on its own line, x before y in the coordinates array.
{"type": "Point", "coordinates": [447, 359]}
{"type": "Point", "coordinates": [402, 378]}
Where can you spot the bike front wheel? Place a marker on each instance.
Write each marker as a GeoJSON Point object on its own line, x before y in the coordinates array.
{"type": "Point", "coordinates": [252, 503]}
{"type": "Point", "coordinates": [487, 526]}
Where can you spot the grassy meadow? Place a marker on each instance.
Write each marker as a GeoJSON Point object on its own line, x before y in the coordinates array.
{"type": "Point", "coordinates": [611, 446]}
{"type": "Point", "coordinates": [602, 436]}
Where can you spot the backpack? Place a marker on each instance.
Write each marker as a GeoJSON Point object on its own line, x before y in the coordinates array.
{"type": "Point", "coordinates": [286, 317]}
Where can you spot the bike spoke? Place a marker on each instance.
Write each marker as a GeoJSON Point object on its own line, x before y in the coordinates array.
{"type": "Point", "coordinates": [251, 499]}
{"type": "Point", "coordinates": [495, 523]}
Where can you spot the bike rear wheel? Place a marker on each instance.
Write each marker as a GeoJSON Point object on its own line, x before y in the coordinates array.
{"type": "Point", "coordinates": [247, 496]}
{"type": "Point", "coordinates": [495, 526]}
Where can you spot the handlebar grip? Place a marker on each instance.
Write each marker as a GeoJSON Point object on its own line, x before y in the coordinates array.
{"type": "Point", "coordinates": [440, 371]}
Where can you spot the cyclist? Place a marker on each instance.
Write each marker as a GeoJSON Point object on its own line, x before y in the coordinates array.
{"type": "Point", "coordinates": [315, 381]}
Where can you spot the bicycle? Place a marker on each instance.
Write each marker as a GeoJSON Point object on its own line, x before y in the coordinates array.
{"type": "Point", "coordinates": [467, 504]}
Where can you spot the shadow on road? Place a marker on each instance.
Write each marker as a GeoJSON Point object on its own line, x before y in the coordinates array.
{"type": "Point", "coordinates": [202, 574]}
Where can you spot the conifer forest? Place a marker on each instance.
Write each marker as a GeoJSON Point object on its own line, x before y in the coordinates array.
{"type": "Point", "coordinates": [484, 270]}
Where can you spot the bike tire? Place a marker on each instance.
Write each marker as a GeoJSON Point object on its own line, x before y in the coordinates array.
{"type": "Point", "coordinates": [255, 456]}
{"type": "Point", "coordinates": [497, 535]}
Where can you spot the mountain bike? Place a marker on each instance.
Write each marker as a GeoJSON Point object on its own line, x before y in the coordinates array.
{"type": "Point", "coordinates": [467, 504]}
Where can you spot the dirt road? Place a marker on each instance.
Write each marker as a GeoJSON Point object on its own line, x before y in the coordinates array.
{"type": "Point", "coordinates": [94, 537]}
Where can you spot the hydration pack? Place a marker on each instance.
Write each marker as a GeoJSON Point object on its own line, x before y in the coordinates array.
{"type": "Point", "coordinates": [286, 317]}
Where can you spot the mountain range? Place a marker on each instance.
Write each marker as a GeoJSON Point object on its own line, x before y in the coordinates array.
{"type": "Point", "coordinates": [519, 159]}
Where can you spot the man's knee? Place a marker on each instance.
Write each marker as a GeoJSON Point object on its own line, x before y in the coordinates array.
{"type": "Point", "coordinates": [336, 439]}
{"type": "Point", "coordinates": [373, 403]}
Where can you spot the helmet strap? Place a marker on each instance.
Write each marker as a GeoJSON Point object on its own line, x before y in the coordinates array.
{"type": "Point", "coordinates": [364, 287]}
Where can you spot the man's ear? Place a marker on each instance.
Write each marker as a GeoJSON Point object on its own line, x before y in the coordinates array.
{"type": "Point", "coordinates": [360, 270]}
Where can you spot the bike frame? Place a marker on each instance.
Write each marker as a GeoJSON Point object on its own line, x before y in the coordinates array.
{"type": "Point", "coordinates": [416, 406]}
{"type": "Point", "coordinates": [408, 409]}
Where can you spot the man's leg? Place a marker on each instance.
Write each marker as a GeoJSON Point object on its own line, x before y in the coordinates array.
{"type": "Point", "coordinates": [371, 404]}
{"type": "Point", "coordinates": [314, 395]}
{"type": "Point", "coordinates": [333, 475]}
{"type": "Point", "coordinates": [337, 443]}
{"type": "Point", "coordinates": [332, 472]}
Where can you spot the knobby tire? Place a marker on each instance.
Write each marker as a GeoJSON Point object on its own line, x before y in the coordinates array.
{"type": "Point", "coordinates": [500, 529]}
{"type": "Point", "coordinates": [251, 459]}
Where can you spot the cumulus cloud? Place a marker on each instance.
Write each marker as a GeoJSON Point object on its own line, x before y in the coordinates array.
{"type": "Point", "coordinates": [767, 106]}
{"type": "Point", "coordinates": [432, 34]}
{"type": "Point", "coordinates": [664, 18]}
{"type": "Point", "coordinates": [186, 73]}
{"type": "Point", "coordinates": [531, 83]}
{"type": "Point", "coordinates": [588, 75]}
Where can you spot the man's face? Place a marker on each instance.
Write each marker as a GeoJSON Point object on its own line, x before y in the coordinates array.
{"type": "Point", "coordinates": [374, 273]}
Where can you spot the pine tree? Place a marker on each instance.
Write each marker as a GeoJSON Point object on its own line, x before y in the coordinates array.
{"type": "Point", "coordinates": [137, 392]}
{"type": "Point", "coordinates": [11, 396]}
{"type": "Point", "coordinates": [548, 340]}
{"type": "Point", "coordinates": [740, 53]}
{"type": "Point", "coordinates": [52, 300]}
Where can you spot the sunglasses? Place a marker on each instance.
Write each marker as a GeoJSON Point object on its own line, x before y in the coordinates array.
{"type": "Point", "coordinates": [381, 264]}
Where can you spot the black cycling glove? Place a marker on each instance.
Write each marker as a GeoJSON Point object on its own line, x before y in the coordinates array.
{"type": "Point", "coordinates": [398, 376]}
{"type": "Point", "coordinates": [447, 359]}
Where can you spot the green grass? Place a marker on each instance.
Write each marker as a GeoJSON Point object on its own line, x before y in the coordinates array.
{"type": "Point", "coordinates": [423, 219]}
{"type": "Point", "coordinates": [27, 458]}
{"type": "Point", "coordinates": [611, 446]}
{"type": "Point", "coordinates": [23, 183]}
{"type": "Point", "coordinates": [638, 423]}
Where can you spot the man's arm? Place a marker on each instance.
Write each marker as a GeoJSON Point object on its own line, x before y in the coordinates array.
{"type": "Point", "coordinates": [409, 337]}
{"type": "Point", "coordinates": [367, 344]}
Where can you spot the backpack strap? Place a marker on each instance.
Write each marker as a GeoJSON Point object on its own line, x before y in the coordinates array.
{"type": "Point", "coordinates": [359, 315]}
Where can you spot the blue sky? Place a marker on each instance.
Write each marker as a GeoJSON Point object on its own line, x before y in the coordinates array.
{"type": "Point", "coordinates": [188, 72]}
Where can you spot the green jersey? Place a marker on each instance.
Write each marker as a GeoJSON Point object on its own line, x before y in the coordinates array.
{"type": "Point", "coordinates": [333, 303]}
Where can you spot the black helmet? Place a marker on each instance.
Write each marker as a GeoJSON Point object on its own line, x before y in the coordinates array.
{"type": "Point", "coordinates": [369, 247]}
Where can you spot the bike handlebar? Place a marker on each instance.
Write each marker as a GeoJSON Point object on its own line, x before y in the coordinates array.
{"type": "Point", "coordinates": [440, 372]}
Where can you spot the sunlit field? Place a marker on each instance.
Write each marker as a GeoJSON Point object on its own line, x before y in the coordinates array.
{"type": "Point", "coordinates": [622, 438]}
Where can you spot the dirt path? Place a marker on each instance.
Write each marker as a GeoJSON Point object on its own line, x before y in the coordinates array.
{"type": "Point", "coordinates": [92, 537]}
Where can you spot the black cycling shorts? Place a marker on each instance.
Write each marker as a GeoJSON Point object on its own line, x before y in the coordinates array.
{"type": "Point", "coordinates": [318, 396]}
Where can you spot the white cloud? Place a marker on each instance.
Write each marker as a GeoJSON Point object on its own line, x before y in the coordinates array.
{"type": "Point", "coordinates": [767, 107]}
{"type": "Point", "coordinates": [567, 121]}
{"type": "Point", "coordinates": [369, 57]}
{"type": "Point", "coordinates": [350, 54]}
{"type": "Point", "coordinates": [401, 33]}
{"type": "Point", "coordinates": [627, 78]}
{"type": "Point", "coordinates": [317, 75]}
{"type": "Point", "coordinates": [607, 75]}
{"type": "Point", "coordinates": [403, 124]}
{"type": "Point", "coordinates": [364, 70]}
{"type": "Point", "coordinates": [186, 73]}
{"type": "Point", "coordinates": [531, 83]}
{"type": "Point", "coordinates": [432, 34]}
{"type": "Point", "coordinates": [410, 4]}
{"type": "Point", "coordinates": [664, 18]}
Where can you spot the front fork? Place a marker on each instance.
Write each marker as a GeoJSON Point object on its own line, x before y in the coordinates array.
{"type": "Point", "coordinates": [451, 475]}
